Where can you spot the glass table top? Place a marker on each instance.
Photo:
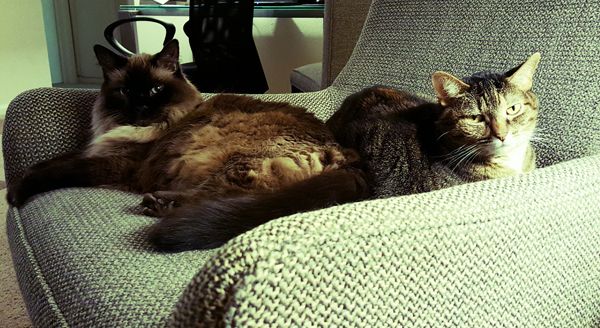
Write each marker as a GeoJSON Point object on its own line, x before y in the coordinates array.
{"type": "Point", "coordinates": [263, 10]}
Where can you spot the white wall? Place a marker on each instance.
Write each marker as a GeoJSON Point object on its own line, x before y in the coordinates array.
{"type": "Point", "coordinates": [283, 44]}
{"type": "Point", "coordinates": [23, 53]}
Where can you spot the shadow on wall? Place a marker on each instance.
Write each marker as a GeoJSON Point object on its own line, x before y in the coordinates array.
{"type": "Point", "coordinates": [286, 43]}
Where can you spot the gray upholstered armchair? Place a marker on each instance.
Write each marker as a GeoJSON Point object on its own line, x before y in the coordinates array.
{"type": "Point", "coordinates": [516, 252]}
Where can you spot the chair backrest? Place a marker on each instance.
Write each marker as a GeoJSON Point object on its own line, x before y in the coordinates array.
{"type": "Point", "coordinates": [225, 56]}
{"type": "Point", "coordinates": [342, 23]}
{"type": "Point", "coordinates": [405, 41]}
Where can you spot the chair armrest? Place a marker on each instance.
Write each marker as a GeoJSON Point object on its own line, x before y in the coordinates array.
{"type": "Point", "coordinates": [521, 250]}
{"type": "Point", "coordinates": [43, 123]}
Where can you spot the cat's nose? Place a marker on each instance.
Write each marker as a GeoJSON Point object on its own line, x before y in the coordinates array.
{"type": "Point", "coordinates": [499, 130]}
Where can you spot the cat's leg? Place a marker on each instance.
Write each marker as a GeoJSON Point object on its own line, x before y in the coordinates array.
{"type": "Point", "coordinates": [68, 170]}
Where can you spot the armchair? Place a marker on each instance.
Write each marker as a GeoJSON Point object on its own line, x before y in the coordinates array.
{"type": "Point", "coordinates": [515, 252]}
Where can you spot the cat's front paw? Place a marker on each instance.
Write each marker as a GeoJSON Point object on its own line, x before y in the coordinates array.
{"type": "Point", "coordinates": [158, 204]}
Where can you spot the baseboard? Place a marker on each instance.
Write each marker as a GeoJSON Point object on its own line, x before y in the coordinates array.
{"type": "Point", "coordinates": [3, 108]}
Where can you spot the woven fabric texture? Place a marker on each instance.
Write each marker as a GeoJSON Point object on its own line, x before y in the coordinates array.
{"type": "Point", "coordinates": [82, 260]}
{"type": "Point", "coordinates": [521, 251]}
{"type": "Point", "coordinates": [342, 24]}
{"type": "Point", "coordinates": [526, 255]}
{"type": "Point", "coordinates": [43, 123]}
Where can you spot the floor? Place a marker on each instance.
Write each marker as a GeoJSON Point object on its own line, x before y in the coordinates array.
{"type": "Point", "coordinates": [12, 307]}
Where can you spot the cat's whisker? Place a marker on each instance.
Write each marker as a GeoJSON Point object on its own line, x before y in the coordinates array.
{"type": "Point", "coordinates": [538, 139]}
{"type": "Point", "coordinates": [470, 154]}
{"type": "Point", "coordinates": [455, 160]}
{"type": "Point", "coordinates": [472, 158]}
{"type": "Point", "coordinates": [443, 134]}
{"type": "Point", "coordinates": [453, 155]}
{"type": "Point", "coordinates": [539, 136]}
{"type": "Point", "coordinates": [459, 157]}
{"type": "Point", "coordinates": [456, 152]}
{"type": "Point", "coordinates": [475, 153]}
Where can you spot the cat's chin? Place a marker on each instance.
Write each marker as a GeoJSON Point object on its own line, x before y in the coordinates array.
{"type": "Point", "coordinates": [510, 147]}
{"type": "Point", "coordinates": [517, 141]}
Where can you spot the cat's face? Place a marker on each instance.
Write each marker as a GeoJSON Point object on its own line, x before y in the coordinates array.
{"type": "Point", "coordinates": [493, 113]}
{"type": "Point", "coordinates": [139, 89]}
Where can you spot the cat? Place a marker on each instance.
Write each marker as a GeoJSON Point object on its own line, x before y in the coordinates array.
{"type": "Point", "coordinates": [479, 129]}
{"type": "Point", "coordinates": [211, 169]}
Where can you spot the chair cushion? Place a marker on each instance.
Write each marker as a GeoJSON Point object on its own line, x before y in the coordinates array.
{"type": "Point", "coordinates": [83, 260]}
{"type": "Point", "coordinates": [307, 78]}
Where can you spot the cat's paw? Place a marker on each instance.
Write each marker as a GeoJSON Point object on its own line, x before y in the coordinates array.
{"type": "Point", "coordinates": [158, 203]}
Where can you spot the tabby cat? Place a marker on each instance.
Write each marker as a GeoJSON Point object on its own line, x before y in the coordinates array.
{"type": "Point", "coordinates": [211, 168]}
{"type": "Point", "coordinates": [480, 129]}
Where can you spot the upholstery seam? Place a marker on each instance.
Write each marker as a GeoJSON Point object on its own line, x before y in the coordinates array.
{"type": "Point", "coordinates": [31, 258]}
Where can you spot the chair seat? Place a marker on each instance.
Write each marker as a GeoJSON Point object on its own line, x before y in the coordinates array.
{"type": "Point", "coordinates": [83, 259]}
{"type": "Point", "coordinates": [307, 78]}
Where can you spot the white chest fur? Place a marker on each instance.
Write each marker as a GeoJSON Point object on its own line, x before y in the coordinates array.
{"type": "Point", "coordinates": [108, 143]}
{"type": "Point", "coordinates": [512, 153]}
{"type": "Point", "coordinates": [513, 159]}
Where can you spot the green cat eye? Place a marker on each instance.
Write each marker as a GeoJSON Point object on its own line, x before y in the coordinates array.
{"type": "Point", "coordinates": [514, 109]}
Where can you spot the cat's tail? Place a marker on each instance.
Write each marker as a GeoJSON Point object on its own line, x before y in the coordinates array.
{"type": "Point", "coordinates": [212, 222]}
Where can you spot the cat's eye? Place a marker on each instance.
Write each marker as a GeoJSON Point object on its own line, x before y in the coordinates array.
{"type": "Point", "coordinates": [124, 91]}
{"type": "Point", "coordinates": [476, 118]}
{"type": "Point", "coordinates": [514, 109]}
{"type": "Point", "coordinates": [156, 89]}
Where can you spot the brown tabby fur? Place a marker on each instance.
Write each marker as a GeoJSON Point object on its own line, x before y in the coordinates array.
{"type": "Point", "coordinates": [215, 167]}
{"type": "Point", "coordinates": [479, 129]}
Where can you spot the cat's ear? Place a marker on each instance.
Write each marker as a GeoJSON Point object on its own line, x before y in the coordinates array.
{"type": "Point", "coordinates": [522, 75]}
{"type": "Point", "coordinates": [168, 57]}
{"type": "Point", "coordinates": [447, 86]}
{"type": "Point", "coordinates": [108, 60]}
